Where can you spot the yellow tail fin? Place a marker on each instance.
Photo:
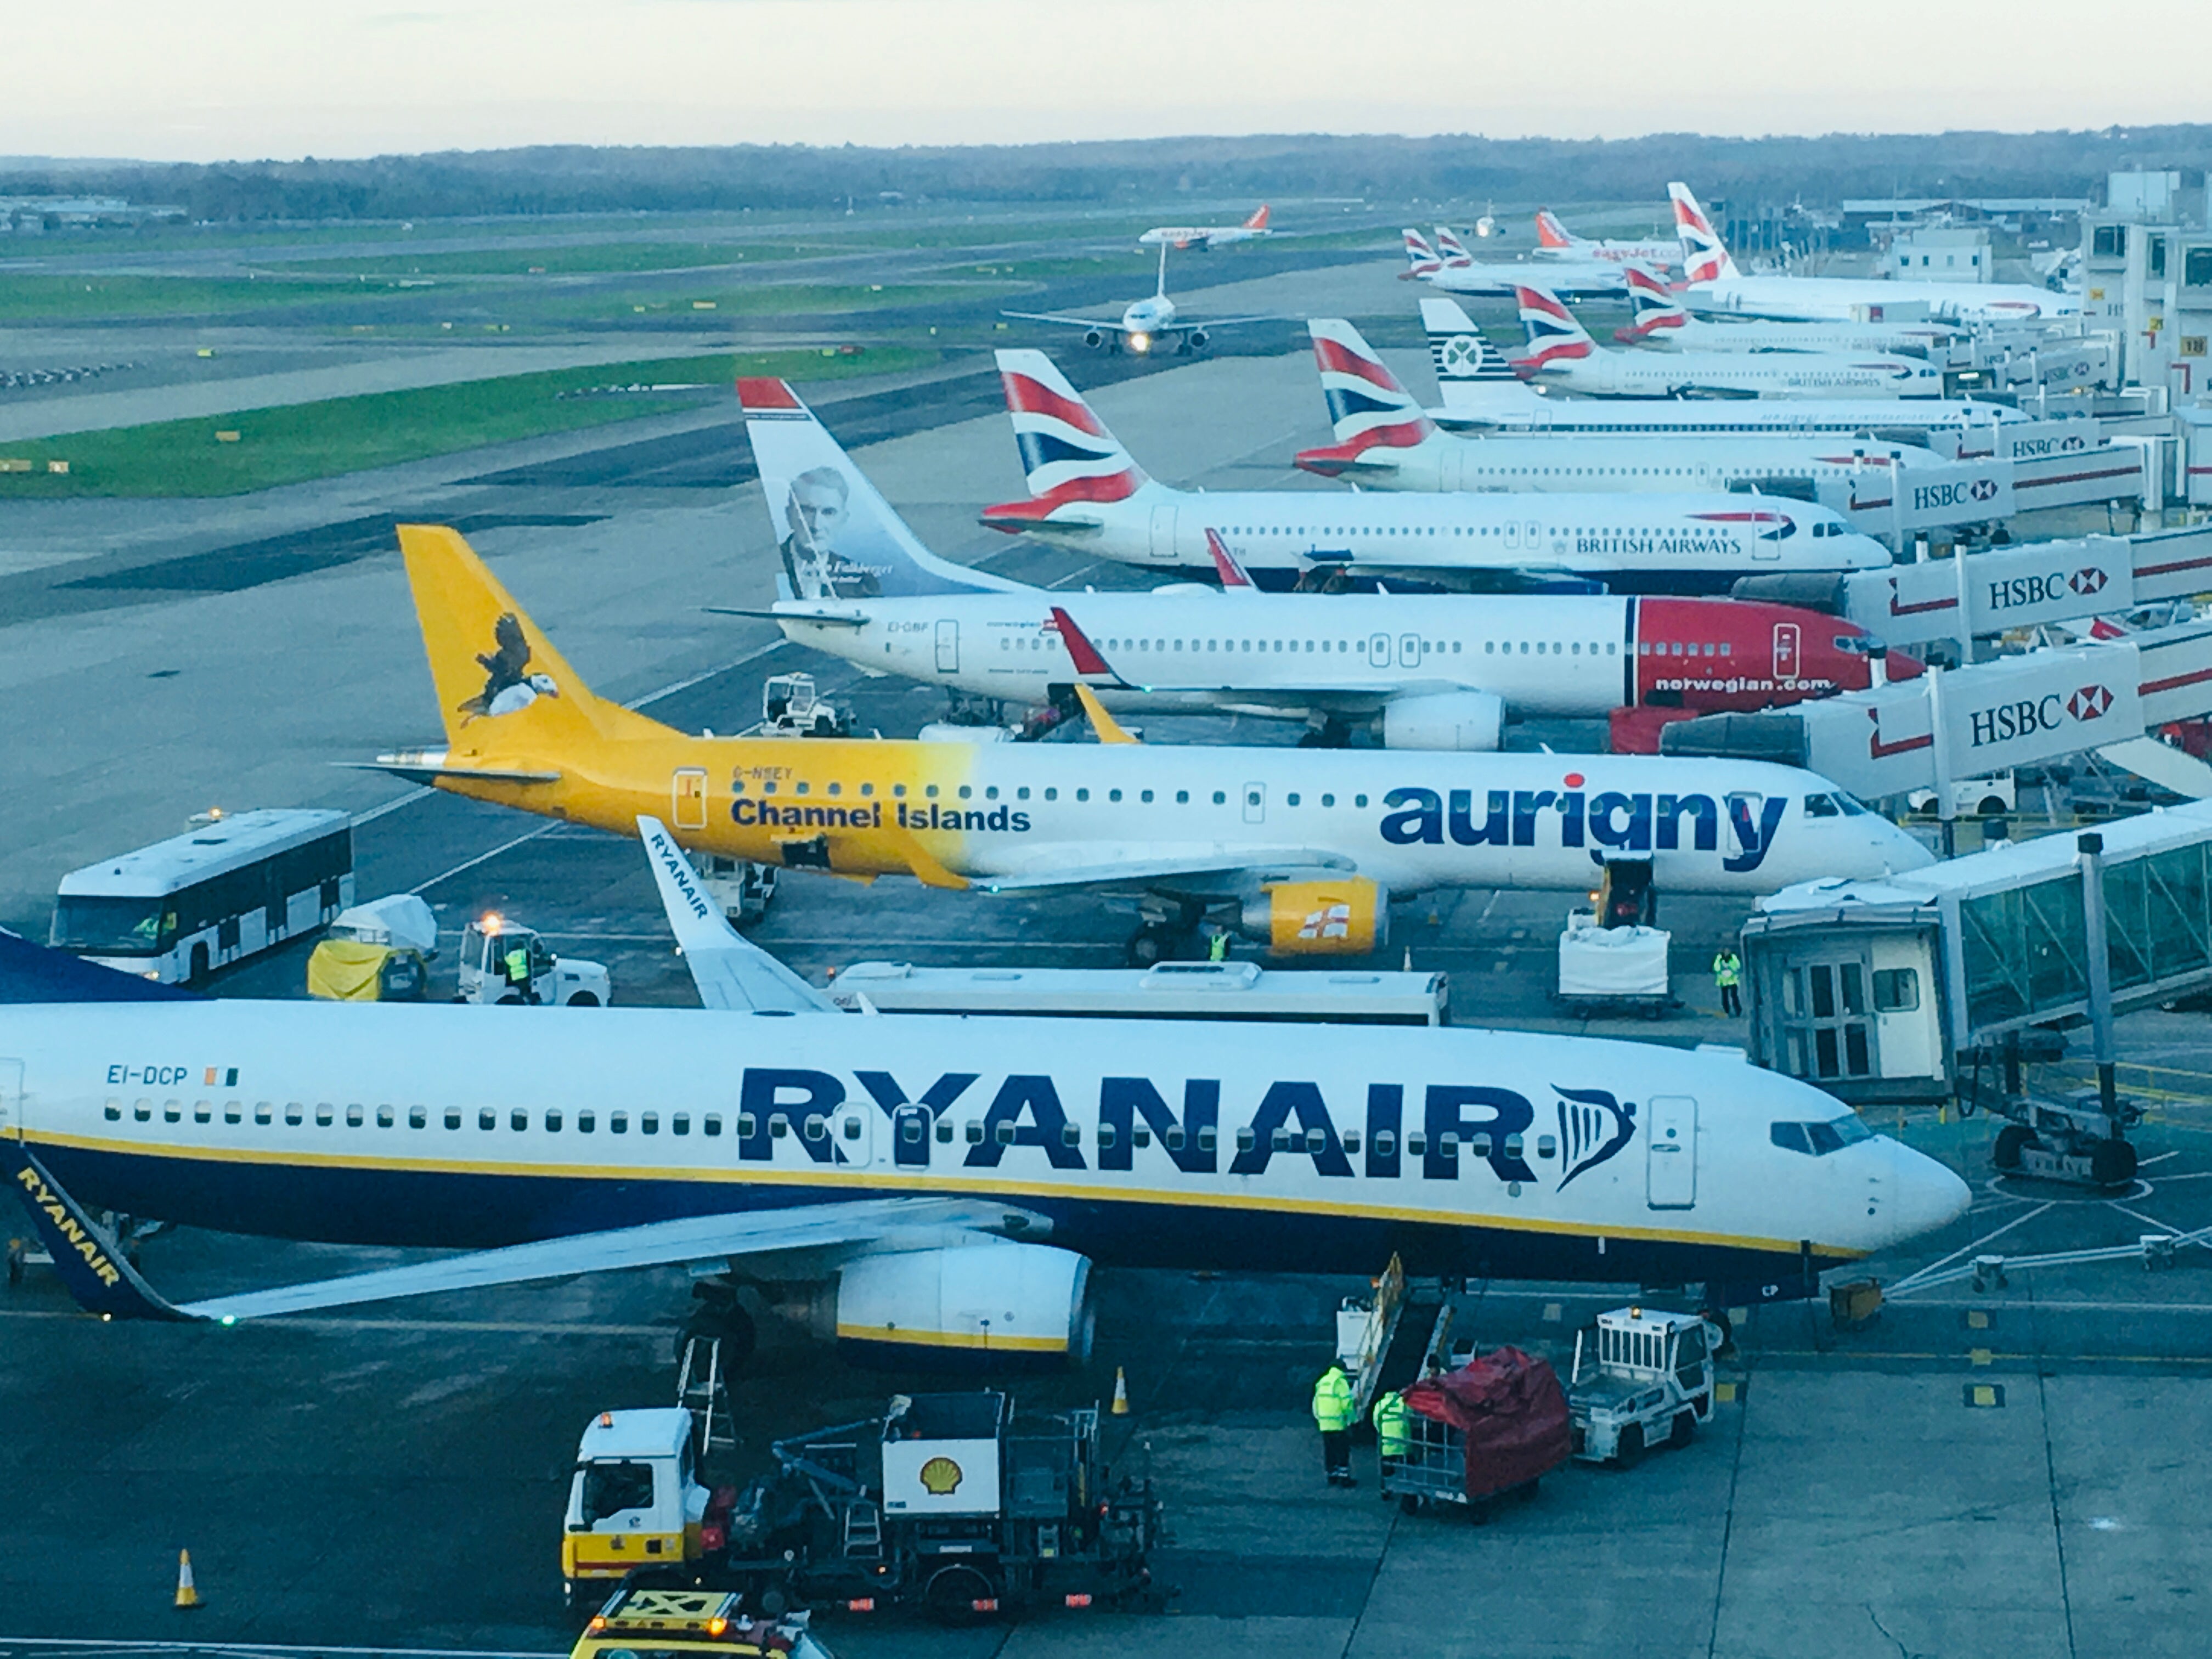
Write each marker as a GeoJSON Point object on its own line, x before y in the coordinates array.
{"type": "Point", "coordinates": [502, 686]}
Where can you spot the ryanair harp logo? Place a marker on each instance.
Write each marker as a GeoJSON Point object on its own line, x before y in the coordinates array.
{"type": "Point", "coordinates": [1592, 1127]}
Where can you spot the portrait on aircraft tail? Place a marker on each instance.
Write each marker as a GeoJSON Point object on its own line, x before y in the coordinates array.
{"type": "Point", "coordinates": [814, 514]}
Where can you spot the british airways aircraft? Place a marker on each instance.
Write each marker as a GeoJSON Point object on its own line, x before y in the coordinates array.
{"type": "Point", "coordinates": [1430, 670]}
{"type": "Point", "coordinates": [1087, 495]}
{"type": "Point", "coordinates": [1451, 269]}
{"type": "Point", "coordinates": [941, 1185]}
{"type": "Point", "coordinates": [1660, 320]}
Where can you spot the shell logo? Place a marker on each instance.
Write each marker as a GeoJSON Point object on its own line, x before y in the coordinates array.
{"type": "Point", "coordinates": [940, 1477]}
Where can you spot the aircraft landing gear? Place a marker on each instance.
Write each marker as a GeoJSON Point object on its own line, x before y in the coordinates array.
{"type": "Point", "coordinates": [1331, 734]}
{"type": "Point", "coordinates": [1168, 935]}
{"type": "Point", "coordinates": [719, 1317]}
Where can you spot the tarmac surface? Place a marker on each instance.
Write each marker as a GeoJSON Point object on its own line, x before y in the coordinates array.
{"type": "Point", "coordinates": [2010, 1472]}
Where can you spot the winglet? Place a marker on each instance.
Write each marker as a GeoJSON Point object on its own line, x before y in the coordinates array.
{"type": "Point", "coordinates": [1235, 578]}
{"type": "Point", "coordinates": [1107, 728]}
{"type": "Point", "coordinates": [730, 970]}
{"type": "Point", "coordinates": [91, 1267]}
{"type": "Point", "coordinates": [1085, 654]}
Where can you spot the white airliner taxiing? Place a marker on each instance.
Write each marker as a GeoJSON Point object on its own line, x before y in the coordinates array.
{"type": "Point", "coordinates": [1146, 324]}
{"type": "Point", "coordinates": [1372, 449]}
{"type": "Point", "coordinates": [1088, 494]}
{"type": "Point", "coordinates": [1482, 392]}
{"type": "Point", "coordinates": [1555, 241]}
{"type": "Point", "coordinates": [1451, 268]}
{"type": "Point", "coordinates": [1422, 672]}
{"type": "Point", "coordinates": [1206, 238]}
{"type": "Point", "coordinates": [927, 1189]}
{"type": "Point", "coordinates": [1661, 320]}
{"type": "Point", "coordinates": [1714, 283]}
{"type": "Point", "coordinates": [1561, 351]}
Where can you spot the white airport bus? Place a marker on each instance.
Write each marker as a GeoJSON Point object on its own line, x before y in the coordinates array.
{"type": "Point", "coordinates": [215, 895]}
{"type": "Point", "coordinates": [1170, 990]}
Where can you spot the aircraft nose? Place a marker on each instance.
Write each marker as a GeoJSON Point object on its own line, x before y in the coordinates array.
{"type": "Point", "coordinates": [1929, 1195]}
{"type": "Point", "coordinates": [1905, 852]}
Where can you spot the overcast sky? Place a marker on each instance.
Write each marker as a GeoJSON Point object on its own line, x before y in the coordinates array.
{"type": "Point", "coordinates": [245, 79]}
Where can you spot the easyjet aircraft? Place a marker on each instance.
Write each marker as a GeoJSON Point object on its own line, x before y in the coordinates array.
{"type": "Point", "coordinates": [1206, 238]}
{"type": "Point", "coordinates": [1451, 269]}
{"type": "Point", "coordinates": [1555, 241]}
{"type": "Point", "coordinates": [1264, 838]}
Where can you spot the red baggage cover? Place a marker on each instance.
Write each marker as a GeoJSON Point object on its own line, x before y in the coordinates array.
{"type": "Point", "coordinates": [1512, 1411]}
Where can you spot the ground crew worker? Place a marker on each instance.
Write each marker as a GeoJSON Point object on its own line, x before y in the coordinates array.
{"type": "Point", "coordinates": [1218, 950]}
{"type": "Point", "coordinates": [1728, 975]}
{"type": "Point", "coordinates": [517, 967]}
{"type": "Point", "coordinates": [1333, 1413]}
{"type": "Point", "coordinates": [1394, 1435]}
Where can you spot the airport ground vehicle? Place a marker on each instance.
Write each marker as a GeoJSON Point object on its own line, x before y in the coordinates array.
{"type": "Point", "coordinates": [2077, 1140]}
{"type": "Point", "coordinates": [1495, 1426]}
{"type": "Point", "coordinates": [1168, 990]}
{"type": "Point", "coordinates": [950, 1503]}
{"type": "Point", "coordinates": [691, 1624]}
{"type": "Point", "coordinates": [1641, 1379]}
{"type": "Point", "coordinates": [636, 1499]}
{"type": "Point", "coordinates": [379, 952]}
{"type": "Point", "coordinates": [744, 889]}
{"type": "Point", "coordinates": [1614, 970]}
{"type": "Point", "coordinates": [1982, 797]}
{"type": "Point", "coordinates": [230, 886]}
{"type": "Point", "coordinates": [487, 977]}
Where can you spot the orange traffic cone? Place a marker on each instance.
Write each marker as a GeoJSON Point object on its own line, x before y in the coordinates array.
{"type": "Point", "coordinates": [1121, 1393]}
{"type": "Point", "coordinates": [186, 1596]}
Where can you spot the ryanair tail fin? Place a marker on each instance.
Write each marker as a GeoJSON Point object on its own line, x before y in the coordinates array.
{"type": "Point", "coordinates": [1704, 256]}
{"type": "Point", "coordinates": [840, 539]}
{"type": "Point", "coordinates": [502, 689]}
{"type": "Point", "coordinates": [91, 1266]}
{"type": "Point", "coordinates": [1069, 456]}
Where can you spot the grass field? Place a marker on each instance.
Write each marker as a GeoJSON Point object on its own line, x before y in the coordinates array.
{"type": "Point", "coordinates": [586, 260]}
{"type": "Point", "coordinates": [793, 299]}
{"type": "Point", "coordinates": [29, 297]}
{"type": "Point", "coordinates": [295, 443]}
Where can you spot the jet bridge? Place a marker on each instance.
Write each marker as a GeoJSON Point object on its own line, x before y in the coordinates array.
{"type": "Point", "coordinates": [1881, 991]}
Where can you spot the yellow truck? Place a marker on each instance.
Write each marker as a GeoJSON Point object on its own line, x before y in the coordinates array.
{"type": "Point", "coordinates": [691, 1624]}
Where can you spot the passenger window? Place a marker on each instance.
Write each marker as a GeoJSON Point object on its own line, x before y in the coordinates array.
{"type": "Point", "coordinates": [945, 1131]}
{"type": "Point", "coordinates": [1083, 795]}
{"type": "Point", "coordinates": [617, 1123]}
{"type": "Point", "coordinates": [384, 1117]}
{"type": "Point", "coordinates": [1141, 1136]}
{"type": "Point", "coordinates": [416, 1117]}
{"type": "Point", "coordinates": [173, 1111]}
{"type": "Point", "coordinates": [1145, 797]}
{"type": "Point", "coordinates": [1208, 1138]}
{"type": "Point", "coordinates": [486, 1118]}
{"type": "Point", "coordinates": [779, 1126]}
{"type": "Point", "coordinates": [518, 1120]}
{"type": "Point", "coordinates": [1106, 1136]}
{"type": "Point", "coordinates": [648, 1123]}
{"type": "Point", "coordinates": [1220, 797]}
{"type": "Point", "coordinates": [1896, 990]}
{"type": "Point", "coordinates": [1006, 1134]}
{"type": "Point", "coordinates": [1174, 1139]}
{"type": "Point", "coordinates": [585, 1122]}
{"type": "Point", "coordinates": [680, 1124]}
{"type": "Point", "coordinates": [553, 1123]}
{"type": "Point", "coordinates": [1317, 1140]}
{"type": "Point", "coordinates": [452, 1116]}
{"type": "Point", "coordinates": [747, 1125]}
{"type": "Point", "coordinates": [974, 1132]}
{"type": "Point", "coordinates": [1351, 1139]}
{"type": "Point", "coordinates": [1279, 1142]}
{"type": "Point", "coordinates": [1547, 1146]}
{"type": "Point", "coordinates": [851, 1128]}
{"type": "Point", "coordinates": [1113, 794]}
{"type": "Point", "coordinates": [113, 1111]}
{"type": "Point", "coordinates": [816, 1126]}
{"type": "Point", "coordinates": [1070, 1135]}
{"type": "Point", "coordinates": [353, 1117]}
{"type": "Point", "coordinates": [1386, 1144]}
{"type": "Point", "coordinates": [1182, 797]}
{"type": "Point", "coordinates": [711, 1124]}
{"type": "Point", "coordinates": [1417, 1143]}
{"type": "Point", "coordinates": [296, 1115]}
{"type": "Point", "coordinates": [204, 1110]}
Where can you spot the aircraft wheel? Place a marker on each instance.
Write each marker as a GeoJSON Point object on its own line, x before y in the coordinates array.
{"type": "Point", "coordinates": [2111, 1163]}
{"type": "Point", "coordinates": [2012, 1140]}
{"type": "Point", "coordinates": [583, 999]}
{"type": "Point", "coordinates": [1685, 1430]}
{"type": "Point", "coordinates": [1151, 946]}
{"type": "Point", "coordinates": [952, 1593]}
{"type": "Point", "coordinates": [1629, 1451]}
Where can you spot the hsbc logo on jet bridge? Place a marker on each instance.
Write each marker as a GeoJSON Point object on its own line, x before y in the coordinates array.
{"type": "Point", "coordinates": [2029, 715]}
{"type": "Point", "coordinates": [2016, 592]}
{"type": "Point", "coordinates": [1931, 497]}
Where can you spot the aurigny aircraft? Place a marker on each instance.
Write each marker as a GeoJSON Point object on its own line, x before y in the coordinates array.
{"type": "Point", "coordinates": [1145, 323]}
{"type": "Point", "coordinates": [1424, 671]}
{"type": "Point", "coordinates": [1561, 351]}
{"type": "Point", "coordinates": [1661, 320]}
{"type": "Point", "coordinates": [1206, 238]}
{"type": "Point", "coordinates": [1386, 441]}
{"type": "Point", "coordinates": [1087, 495]}
{"type": "Point", "coordinates": [929, 1189]}
{"type": "Point", "coordinates": [1480, 391]}
{"type": "Point", "coordinates": [1714, 283]}
{"type": "Point", "coordinates": [1270, 838]}
{"type": "Point", "coordinates": [1454, 270]}
{"type": "Point", "coordinates": [1555, 241]}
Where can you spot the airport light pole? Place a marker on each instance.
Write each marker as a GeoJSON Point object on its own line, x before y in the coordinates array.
{"type": "Point", "coordinates": [2091, 847]}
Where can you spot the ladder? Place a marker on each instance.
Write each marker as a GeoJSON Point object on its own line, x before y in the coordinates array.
{"type": "Point", "coordinates": [702, 1385]}
{"type": "Point", "coordinates": [864, 1529]}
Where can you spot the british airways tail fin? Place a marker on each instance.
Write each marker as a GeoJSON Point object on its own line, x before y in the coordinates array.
{"type": "Point", "coordinates": [1420, 258]}
{"type": "Point", "coordinates": [1554, 334]}
{"type": "Point", "coordinates": [840, 539]}
{"type": "Point", "coordinates": [1368, 409]}
{"type": "Point", "coordinates": [1068, 455]}
{"type": "Point", "coordinates": [1653, 305]}
{"type": "Point", "coordinates": [1704, 256]}
{"type": "Point", "coordinates": [1453, 251]}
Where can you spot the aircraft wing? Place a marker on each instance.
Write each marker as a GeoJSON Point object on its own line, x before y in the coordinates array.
{"type": "Point", "coordinates": [1051, 873]}
{"type": "Point", "coordinates": [427, 766]}
{"type": "Point", "coordinates": [731, 971]}
{"type": "Point", "coordinates": [1112, 324]}
{"type": "Point", "coordinates": [1183, 325]}
{"type": "Point", "coordinates": [795, 611]}
{"type": "Point", "coordinates": [103, 1281]}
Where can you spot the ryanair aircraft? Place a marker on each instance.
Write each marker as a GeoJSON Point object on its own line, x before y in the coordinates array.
{"type": "Point", "coordinates": [930, 1188]}
{"type": "Point", "coordinates": [1299, 849]}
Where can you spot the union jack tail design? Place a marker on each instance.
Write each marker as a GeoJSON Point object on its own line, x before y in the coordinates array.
{"type": "Point", "coordinates": [1550, 232]}
{"type": "Point", "coordinates": [1067, 451]}
{"type": "Point", "coordinates": [1458, 348]}
{"type": "Point", "coordinates": [1704, 256]}
{"type": "Point", "coordinates": [1655, 306]}
{"type": "Point", "coordinates": [1367, 406]}
{"type": "Point", "coordinates": [1456, 256]}
{"type": "Point", "coordinates": [1419, 256]}
{"type": "Point", "coordinates": [1555, 336]}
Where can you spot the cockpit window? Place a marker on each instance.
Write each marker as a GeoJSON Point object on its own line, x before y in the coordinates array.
{"type": "Point", "coordinates": [1852, 805]}
{"type": "Point", "coordinates": [1821, 806]}
{"type": "Point", "coordinates": [1819, 1140]}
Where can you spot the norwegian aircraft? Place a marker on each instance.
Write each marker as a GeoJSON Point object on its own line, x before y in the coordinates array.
{"type": "Point", "coordinates": [1385, 440]}
{"type": "Point", "coordinates": [1268, 838]}
{"type": "Point", "coordinates": [1145, 324]}
{"type": "Point", "coordinates": [1454, 270]}
{"type": "Point", "coordinates": [1561, 351]}
{"type": "Point", "coordinates": [1206, 238]}
{"type": "Point", "coordinates": [1714, 283]}
{"type": "Point", "coordinates": [1661, 320]}
{"type": "Point", "coordinates": [1088, 494]}
{"type": "Point", "coordinates": [930, 1189]}
{"type": "Point", "coordinates": [1555, 241]}
{"type": "Point", "coordinates": [1481, 392]}
{"type": "Point", "coordinates": [1426, 672]}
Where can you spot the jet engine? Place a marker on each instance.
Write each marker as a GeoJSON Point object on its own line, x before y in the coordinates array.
{"type": "Point", "coordinates": [1094, 338]}
{"type": "Point", "coordinates": [1196, 339]}
{"type": "Point", "coordinates": [1331, 916]}
{"type": "Point", "coordinates": [994, 1306]}
{"type": "Point", "coordinates": [1442, 720]}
